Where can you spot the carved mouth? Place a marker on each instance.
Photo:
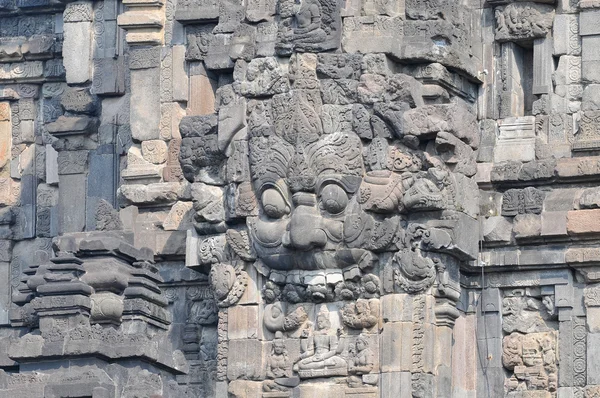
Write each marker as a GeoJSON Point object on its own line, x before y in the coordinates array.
{"type": "Point", "coordinates": [307, 260]}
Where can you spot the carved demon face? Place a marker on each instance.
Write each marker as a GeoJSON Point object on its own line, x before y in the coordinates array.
{"type": "Point", "coordinates": [307, 195]}
{"type": "Point", "coordinates": [316, 186]}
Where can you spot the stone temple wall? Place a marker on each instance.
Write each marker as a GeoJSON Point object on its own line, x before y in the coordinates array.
{"type": "Point", "coordinates": [299, 198]}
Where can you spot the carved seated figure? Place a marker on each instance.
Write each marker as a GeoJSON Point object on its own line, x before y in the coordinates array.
{"type": "Point", "coordinates": [362, 362]}
{"type": "Point", "coordinates": [279, 367]}
{"type": "Point", "coordinates": [321, 352]}
{"type": "Point", "coordinates": [308, 19]}
{"type": "Point", "coordinates": [279, 363]}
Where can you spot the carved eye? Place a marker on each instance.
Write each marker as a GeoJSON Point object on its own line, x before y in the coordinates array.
{"type": "Point", "coordinates": [334, 199]}
{"type": "Point", "coordinates": [274, 204]}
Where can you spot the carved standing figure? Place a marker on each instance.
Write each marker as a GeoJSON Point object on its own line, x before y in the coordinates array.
{"type": "Point", "coordinates": [500, 21]}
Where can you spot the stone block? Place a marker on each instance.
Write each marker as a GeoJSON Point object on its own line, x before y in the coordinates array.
{"type": "Point", "coordinates": [591, 98]}
{"type": "Point", "coordinates": [560, 199]}
{"type": "Point", "coordinates": [246, 359]}
{"type": "Point", "coordinates": [554, 223]}
{"type": "Point", "coordinates": [497, 229]}
{"type": "Point", "coordinates": [543, 66]}
{"type": "Point", "coordinates": [593, 319]}
{"type": "Point", "coordinates": [26, 133]}
{"type": "Point", "coordinates": [593, 358]}
{"type": "Point", "coordinates": [583, 221]}
{"type": "Point", "coordinates": [395, 384]}
{"type": "Point", "coordinates": [489, 327]}
{"type": "Point", "coordinates": [79, 11]}
{"type": "Point", "coordinates": [155, 194]}
{"type": "Point", "coordinates": [154, 151]}
{"type": "Point", "coordinates": [588, 21]}
{"type": "Point", "coordinates": [47, 222]}
{"type": "Point", "coordinates": [397, 308]}
{"type": "Point", "coordinates": [77, 52]}
{"type": "Point", "coordinates": [71, 203]}
{"type": "Point", "coordinates": [396, 339]}
{"type": "Point", "coordinates": [244, 389]}
{"type": "Point", "coordinates": [79, 100]}
{"type": "Point", "coordinates": [218, 57]}
{"type": "Point", "coordinates": [170, 116]}
{"type": "Point", "coordinates": [20, 70]}
{"type": "Point", "coordinates": [590, 71]}
{"type": "Point", "coordinates": [5, 250]}
{"type": "Point", "coordinates": [516, 140]}
{"type": "Point", "coordinates": [565, 32]}
{"type": "Point", "coordinates": [321, 390]}
{"type": "Point", "coordinates": [541, 257]}
{"type": "Point", "coordinates": [179, 217]}
{"type": "Point", "coordinates": [170, 243]}
{"type": "Point", "coordinates": [197, 11]}
{"type": "Point", "coordinates": [5, 136]}
{"type": "Point", "coordinates": [72, 162]}
{"type": "Point", "coordinates": [51, 165]}
{"type": "Point", "coordinates": [464, 356]}
{"type": "Point", "coordinates": [101, 182]}
{"type": "Point", "coordinates": [590, 50]}
{"type": "Point", "coordinates": [109, 76]}
{"type": "Point", "coordinates": [202, 95]}
{"type": "Point", "coordinates": [145, 104]}
{"type": "Point", "coordinates": [73, 125]}
{"type": "Point", "coordinates": [490, 203]}
{"type": "Point", "coordinates": [568, 70]}
{"type": "Point", "coordinates": [484, 173]}
{"type": "Point", "coordinates": [180, 77]}
{"type": "Point", "coordinates": [243, 322]}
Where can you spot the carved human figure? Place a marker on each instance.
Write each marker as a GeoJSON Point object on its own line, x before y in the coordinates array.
{"type": "Point", "coordinates": [203, 312]}
{"type": "Point", "coordinates": [500, 21]}
{"type": "Point", "coordinates": [321, 352]}
{"type": "Point", "coordinates": [278, 363]}
{"type": "Point", "coordinates": [362, 314]}
{"type": "Point", "coordinates": [362, 361]}
{"type": "Point", "coordinates": [308, 19]}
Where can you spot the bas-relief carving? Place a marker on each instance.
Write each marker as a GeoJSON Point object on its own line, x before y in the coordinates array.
{"type": "Point", "coordinates": [325, 182]}
{"type": "Point", "coordinates": [533, 360]}
{"type": "Point", "coordinates": [313, 26]}
{"type": "Point", "coordinates": [531, 341]}
{"type": "Point", "coordinates": [518, 21]}
{"type": "Point", "coordinates": [342, 198]}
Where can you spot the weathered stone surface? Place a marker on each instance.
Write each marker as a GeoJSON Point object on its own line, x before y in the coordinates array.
{"type": "Point", "coordinates": [331, 198]}
{"type": "Point", "coordinates": [77, 49]}
{"type": "Point", "coordinates": [582, 221]}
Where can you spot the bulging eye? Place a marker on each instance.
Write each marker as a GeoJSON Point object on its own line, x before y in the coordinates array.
{"type": "Point", "coordinates": [334, 199]}
{"type": "Point", "coordinates": [274, 204]}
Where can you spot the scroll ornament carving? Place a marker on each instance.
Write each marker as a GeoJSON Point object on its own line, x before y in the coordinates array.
{"type": "Point", "coordinates": [591, 296]}
{"type": "Point", "coordinates": [228, 283]}
{"type": "Point", "coordinates": [276, 320]}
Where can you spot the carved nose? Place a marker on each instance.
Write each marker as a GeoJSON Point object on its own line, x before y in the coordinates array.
{"type": "Point", "coordinates": [305, 229]}
{"type": "Point", "coordinates": [306, 235]}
